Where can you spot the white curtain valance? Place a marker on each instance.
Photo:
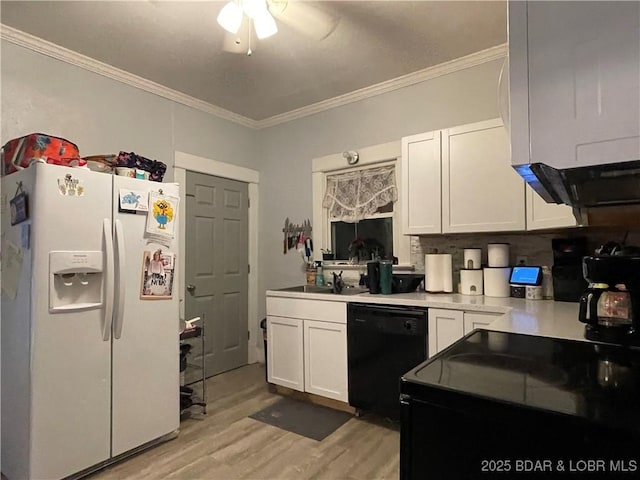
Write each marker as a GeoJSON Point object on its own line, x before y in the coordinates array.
{"type": "Point", "coordinates": [352, 196]}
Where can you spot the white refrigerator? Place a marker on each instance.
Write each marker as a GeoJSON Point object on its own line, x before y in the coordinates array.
{"type": "Point", "coordinates": [90, 365]}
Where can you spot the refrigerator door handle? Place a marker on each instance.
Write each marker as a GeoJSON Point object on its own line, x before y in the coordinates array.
{"type": "Point", "coordinates": [108, 280]}
{"type": "Point", "coordinates": [120, 280]}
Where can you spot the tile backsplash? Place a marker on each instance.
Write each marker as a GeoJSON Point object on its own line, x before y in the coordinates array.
{"type": "Point", "coordinates": [535, 246]}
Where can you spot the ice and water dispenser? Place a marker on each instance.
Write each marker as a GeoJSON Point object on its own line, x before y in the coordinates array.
{"type": "Point", "coordinates": [75, 280]}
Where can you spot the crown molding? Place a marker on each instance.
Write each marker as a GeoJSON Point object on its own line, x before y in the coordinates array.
{"type": "Point", "coordinates": [44, 47]}
{"type": "Point", "coordinates": [477, 58]}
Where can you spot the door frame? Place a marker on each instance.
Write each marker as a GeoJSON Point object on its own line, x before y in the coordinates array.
{"type": "Point", "coordinates": [186, 161]}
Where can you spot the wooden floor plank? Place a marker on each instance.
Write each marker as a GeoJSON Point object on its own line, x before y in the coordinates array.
{"type": "Point", "coordinates": [226, 444]}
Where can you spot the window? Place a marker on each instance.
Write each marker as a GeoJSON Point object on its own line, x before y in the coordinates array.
{"type": "Point", "coordinates": [364, 240]}
{"type": "Point", "coordinates": [360, 206]}
{"type": "Point", "coordinates": [374, 156]}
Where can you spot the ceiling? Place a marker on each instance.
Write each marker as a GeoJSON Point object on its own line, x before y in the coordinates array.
{"type": "Point", "coordinates": [178, 44]}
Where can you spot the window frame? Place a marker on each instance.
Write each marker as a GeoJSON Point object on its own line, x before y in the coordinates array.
{"type": "Point", "coordinates": [370, 157]}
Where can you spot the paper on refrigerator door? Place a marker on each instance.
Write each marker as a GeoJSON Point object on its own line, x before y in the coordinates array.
{"type": "Point", "coordinates": [134, 200]}
{"type": "Point", "coordinates": [12, 258]}
{"type": "Point", "coordinates": [161, 219]}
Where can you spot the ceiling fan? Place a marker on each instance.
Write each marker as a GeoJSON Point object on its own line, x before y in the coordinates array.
{"type": "Point", "coordinates": [240, 18]}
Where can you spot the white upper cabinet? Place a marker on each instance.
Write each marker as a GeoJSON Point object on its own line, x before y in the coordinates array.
{"type": "Point", "coordinates": [421, 189]}
{"type": "Point", "coordinates": [574, 82]}
{"type": "Point", "coordinates": [541, 215]}
{"type": "Point", "coordinates": [481, 192]}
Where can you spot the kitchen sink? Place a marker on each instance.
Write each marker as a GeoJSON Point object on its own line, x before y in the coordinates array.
{"type": "Point", "coordinates": [324, 289]}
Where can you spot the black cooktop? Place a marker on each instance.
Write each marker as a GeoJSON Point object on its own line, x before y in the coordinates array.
{"type": "Point", "coordinates": [598, 382]}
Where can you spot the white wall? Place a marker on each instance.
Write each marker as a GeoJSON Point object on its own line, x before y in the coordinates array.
{"type": "Point", "coordinates": [101, 115]}
{"type": "Point", "coordinates": [286, 150]}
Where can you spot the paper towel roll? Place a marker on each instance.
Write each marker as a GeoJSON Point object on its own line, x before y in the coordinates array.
{"type": "Point", "coordinates": [496, 282]}
{"type": "Point", "coordinates": [438, 270]}
{"type": "Point", "coordinates": [472, 258]}
{"type": "Point", "coordinates": [471, 282]}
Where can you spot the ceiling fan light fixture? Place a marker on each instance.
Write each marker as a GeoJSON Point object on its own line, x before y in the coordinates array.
{"type": "Point", "coordinates": [230, 17]}
{"type": "Point", "coordinates": [265, 25]}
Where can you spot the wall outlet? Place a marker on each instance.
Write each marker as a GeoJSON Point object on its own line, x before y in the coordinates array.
{"type": "Point", "coordinates": [521, 260]}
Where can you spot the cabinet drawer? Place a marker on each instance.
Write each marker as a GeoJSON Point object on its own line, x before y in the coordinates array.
{"type": "Point", "coordinates": [325, 311]}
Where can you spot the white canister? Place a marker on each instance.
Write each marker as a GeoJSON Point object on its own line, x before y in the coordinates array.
{"type": "Point", "coordinates": [498, 254]}
{"type": "Point", "coordinates": [496, 281]}
{"type": "Point", "coordinates": [471, 282]}
{"type": "Point", "coordinates": [533, 292]}
{"type": "Point", "coordinates": [472, 259]}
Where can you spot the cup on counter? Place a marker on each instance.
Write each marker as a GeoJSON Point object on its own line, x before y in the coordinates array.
{"type": "Point", "coordinates": [386, 267]}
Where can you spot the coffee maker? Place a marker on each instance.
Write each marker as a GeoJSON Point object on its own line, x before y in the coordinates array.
{"type": "Point", "coordinates": [610, 307]}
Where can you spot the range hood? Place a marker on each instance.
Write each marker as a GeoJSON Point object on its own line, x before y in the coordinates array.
{"type": "Point", "coordinates": [592, 188]}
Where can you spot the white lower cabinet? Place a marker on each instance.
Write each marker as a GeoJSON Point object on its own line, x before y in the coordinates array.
{"type": "Point", "coordinates": [285, 352]}
{"type": "Point", "coordinates": [308, 353]}
{"type": "Point", "coordinates": [449, 326]}
{"type": "Point", "coordinates": [445, 327]}
{"type": "Point", "coordinates": [325, 359]}
{"type": "Point", "coordinates": [473, 320]}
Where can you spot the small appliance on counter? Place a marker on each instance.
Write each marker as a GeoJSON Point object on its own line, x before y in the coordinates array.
{"type": "Point", "coordinates": [523, 280]}
{"type": "Point", "coordinates": [568, 281]}
{"type": "Point", "coordinates": [610, 307]}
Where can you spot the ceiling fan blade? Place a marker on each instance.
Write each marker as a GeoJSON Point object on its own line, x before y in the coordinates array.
{"type": "Point", "coordinates": [307, 19]}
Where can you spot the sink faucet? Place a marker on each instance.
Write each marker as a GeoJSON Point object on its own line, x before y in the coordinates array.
{"type": "Point", "coordinates": [338, 283]}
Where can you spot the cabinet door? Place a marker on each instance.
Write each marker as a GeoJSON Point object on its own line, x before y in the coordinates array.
{"type": "Point", "coordinates": [421, 187]}
{"type": "Point", "coordinates": [325, 359]}
{"type": "Point", "coordinates": [481, 191]}
{"type": "Point", "coordinates": [541, 214]}
{"type": "Point", "coordinates": [473, 320]}
{"type": "Point", "coordinates": [518, 80]}
{"type": "Point", "coordinates": [584, 82]}
{"type": "Point", "coordinates": [445, 327]}
{"type": "Point", "coordinates": [284, 346]}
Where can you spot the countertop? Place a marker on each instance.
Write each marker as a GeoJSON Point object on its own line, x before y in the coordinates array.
{"type": "Point", "coordinates": [545, 318]}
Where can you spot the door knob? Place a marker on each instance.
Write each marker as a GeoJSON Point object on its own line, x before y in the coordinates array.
{"type": "Point", "coordinates": [191, 288]}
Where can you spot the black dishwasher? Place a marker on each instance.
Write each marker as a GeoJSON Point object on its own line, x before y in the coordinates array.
{"type": "Point", "coordinates": [384, 342]}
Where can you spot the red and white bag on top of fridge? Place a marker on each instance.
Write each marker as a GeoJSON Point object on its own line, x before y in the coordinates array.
{"type": "Point", "coordinates": [21, 152]}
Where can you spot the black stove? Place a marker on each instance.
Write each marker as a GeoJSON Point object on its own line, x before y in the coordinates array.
{"type": "Point", "coordinates": [495, 403]}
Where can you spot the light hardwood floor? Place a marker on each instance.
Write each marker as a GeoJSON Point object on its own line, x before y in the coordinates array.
{"type": "Point", "coordinates": [225, 444]}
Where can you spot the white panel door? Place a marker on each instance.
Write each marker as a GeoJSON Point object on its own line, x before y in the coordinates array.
{"type": "Point", "coordinates": [584, 82]}
{"type": "Point", "coordinates": [481, 192]}
{"type": "Point", "coordinates": [473, 320]}
{"type": "Point", "coordinates": [325, 359]}
{"type": "Point", "coordinates": [421, 184]}
{"type": "Point", "coordinates": [445, 328]}
{"type": "Point", "coordinates": [285, 362]}
{"type": "Point", "coordinates": [70, 358]}
{"type": "Point", "coordinates": [145, 344]}
{"type": "Point", "coordinates": [541, 214]}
